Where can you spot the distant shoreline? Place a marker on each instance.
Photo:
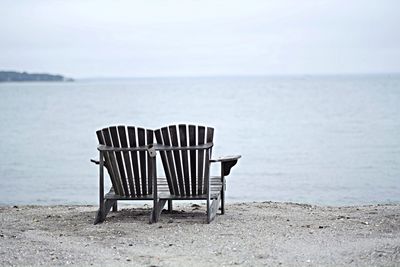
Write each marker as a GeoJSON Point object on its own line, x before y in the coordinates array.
{"type": "Point", "coordinates": [13, 76]}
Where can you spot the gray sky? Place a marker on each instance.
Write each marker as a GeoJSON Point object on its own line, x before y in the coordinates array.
{"type": "Point", "coordinates": [88, 38]}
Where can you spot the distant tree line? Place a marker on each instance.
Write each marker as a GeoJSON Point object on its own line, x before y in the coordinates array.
{"type": "Point", "coordinates": [13, 76]}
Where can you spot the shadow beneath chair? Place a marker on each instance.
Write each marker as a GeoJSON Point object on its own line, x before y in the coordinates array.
{"type": "Point", "coordinates": [194, 214]}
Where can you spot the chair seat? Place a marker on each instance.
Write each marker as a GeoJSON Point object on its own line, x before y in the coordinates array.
{"type": "Point", "coordinates": [163, 192]}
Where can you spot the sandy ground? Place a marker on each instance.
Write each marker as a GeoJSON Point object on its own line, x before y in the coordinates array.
{"type": "Point", "coordinates": [249, 234]}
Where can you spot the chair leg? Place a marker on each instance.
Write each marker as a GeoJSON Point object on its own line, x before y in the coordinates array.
{"type": "Point", "coordinates": [99, 217]}
{"type": "Point", "coordinates": [101, 212]}
{"type": "Point", "coordinates": [104, 210]}
{"type": "Point", "coordinates": [115, 207]}
{"type": "Point", "coordinates": [212, 210]}
{"type": "Point", "coordinates": [157, 209]}
{"type": "Point", "coordinates": [170, 206]}
{"type": "Point", "coordinates": [222, 201]}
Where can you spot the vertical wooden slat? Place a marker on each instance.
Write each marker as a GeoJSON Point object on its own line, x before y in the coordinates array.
{"type": "Point", "coordinates": [177, 157]}
{"type": "Point", "coordinates": [101, 188]}
{"type": "Point", "coordinates": [150, 141]}
{"type": "Point", "coordinates": [110, 157]}
{"type": "Point", "coordinates": [183, 139]}
{"type": "Point", "coordinates": [163, 155]}
{"type": "Point", "coordinates": [100, 137]}
{"type": "Point", "coordinates": [128, 165]}
{"type": "Point", "coordinates": [210, 135]}
{"type": "Point", "coordinates": [107, 159]}
{"type": "Point", "coordinates": [210, 138]}
{"type": "Point", "coordinates": [200, 162]}
{"type": "Point", "coordinates": [193, 160]}
{"type": "Point", "coordinates": [170, 160]}
{"type": "Point", "coordinates": [135, 161]}
{"type": "Point", "coordinates": [207, 171]}
{"type": "Point", "coordinates": [142, 156]}
{"type": "Point", "coordinates": [120, 163]}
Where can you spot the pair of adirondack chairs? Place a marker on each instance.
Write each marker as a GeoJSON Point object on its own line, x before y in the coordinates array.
{"type": "Point", "coordinates": [129, 156]}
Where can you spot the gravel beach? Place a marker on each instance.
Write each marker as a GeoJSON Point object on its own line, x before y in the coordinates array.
{"type": "Point", "coordinates": [249, 234]}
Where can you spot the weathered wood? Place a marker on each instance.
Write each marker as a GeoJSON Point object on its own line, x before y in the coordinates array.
{"type": "Point", "coordinates": [223, 192]}
{"type": "Point", "coordinates": [153, 177]}
{"type": "Point", "coordinates": [227, 166]}
{"type": "Point", "coordinates": [108, 205]}
{"type": "Point", "coordinates": [200, 163]}
{"type": "Point", "coordinates": [101, 211]}
{"type": "Point", "coordinates": [185, 150]}
{"type": "Point", "coordinates": [177, 159]}
{"type": "Point", "coordinates": [207, 184]}
{"type": "Point", "coordinates": [191, 147]}
{"type": "Point", "coordinates": [171, 165]}
{"type": "Point", "coordinates": [127, 161]}
{"type": "Point", "coordinates": [170, 206]}
{"type": "Point", "coordinates": [150, 140]}
{"type": "Point", "coordinates": [106, 163]}
{"type": "Point", "coordinates": [115, 206]}
{"type": "Point", "coordinates": [157, 147]}
{"type": "Point", "coordinates": [185, 166]}
{"type": "Point", "coordinates": [99, 135]}
{"type": "Point", "coordinates": [134, 156]}
{"type": "Point", "coordinates": [127, 154]}
{"type": "Point", "coordinates": [110, 157]}
{"type": "Point", "coordinates": [118, 156]}
{"type": "Point", "coordinates": [210, 134]}
{"type": "Point", "coordinates": [157, 209]}
{"type": "Point", "coordinates": [226, 158]}
{"type": "Point", "coordinates": [163, 155]}
{"type": "Point", "coordinates": [212, 209]}
{"type": "Point", "coordinates": [142, 156]}
{"type": "Point", "coordinates": [193, 159]}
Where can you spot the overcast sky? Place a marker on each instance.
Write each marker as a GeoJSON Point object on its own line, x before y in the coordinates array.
{"type": "Point", "coordinates": [93, 38]}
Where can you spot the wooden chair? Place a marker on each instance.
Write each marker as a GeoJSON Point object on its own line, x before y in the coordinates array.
{"type": "Point", "coordinates": [128, 156]}
{"type": "Point", "coordinates": [186, 156]}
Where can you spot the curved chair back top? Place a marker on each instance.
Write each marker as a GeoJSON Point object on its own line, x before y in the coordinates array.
{"type": "Point", "coordinates": [187, 171]}
{"type": "Point", "coordinates": [129, 170]}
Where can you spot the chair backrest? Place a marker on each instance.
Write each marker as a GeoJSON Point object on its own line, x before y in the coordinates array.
{"type": "Point", "coordinates": [187, 172]}
{"type": "Point", "coordinates": [129, 171]}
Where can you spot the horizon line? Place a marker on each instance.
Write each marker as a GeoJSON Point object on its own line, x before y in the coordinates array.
{"type": "Point", "coordinates": [236, 75]}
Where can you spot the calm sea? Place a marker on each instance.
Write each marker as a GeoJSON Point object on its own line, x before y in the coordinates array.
{"type": "Point", "coordinates": [332, 140]}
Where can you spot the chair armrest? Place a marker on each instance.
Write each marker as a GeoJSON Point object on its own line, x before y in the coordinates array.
{"type": "Point", "coordinates": [226, 158]}
{"type": "Point", "coordinates": [227, 163]}
{"type": "Point", "coordinates": [95, 161]}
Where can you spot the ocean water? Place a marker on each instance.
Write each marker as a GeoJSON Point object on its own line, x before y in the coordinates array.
{"type": "Point", "coordinates": [328, 140]}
